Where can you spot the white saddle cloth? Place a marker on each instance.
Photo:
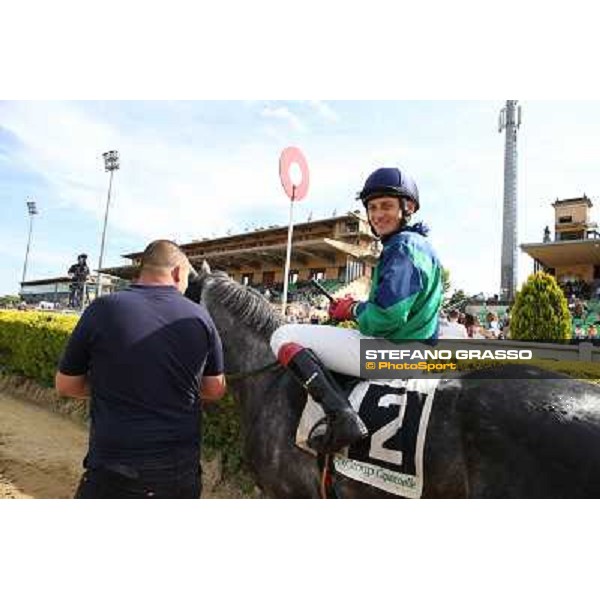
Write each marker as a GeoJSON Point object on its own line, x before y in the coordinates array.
{"type": "Point", "coordinates": [396, 412]}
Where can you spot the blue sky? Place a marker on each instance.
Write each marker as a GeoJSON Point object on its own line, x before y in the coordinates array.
{"type": "Point", "coordinates": [205, 168]}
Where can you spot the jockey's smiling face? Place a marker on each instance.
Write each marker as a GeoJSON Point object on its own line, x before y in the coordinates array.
{"type": "Point", "coordinates": [385, 214]}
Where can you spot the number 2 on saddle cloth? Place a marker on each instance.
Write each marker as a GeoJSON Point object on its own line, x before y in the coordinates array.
{"type": "Point", "coordinates": [392, 416]}
{"type": "Point", "coordinates": [396, 416]}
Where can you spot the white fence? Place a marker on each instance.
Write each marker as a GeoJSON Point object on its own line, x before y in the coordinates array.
{"type": "Point", "coordinates": [583, 351]}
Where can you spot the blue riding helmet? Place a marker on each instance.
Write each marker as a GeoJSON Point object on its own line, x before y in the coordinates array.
{"type": "Point", "coordinates": [389, 182]}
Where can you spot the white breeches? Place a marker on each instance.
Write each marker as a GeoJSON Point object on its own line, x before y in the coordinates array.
{"type": "Point", "coordinates": [338, 348]}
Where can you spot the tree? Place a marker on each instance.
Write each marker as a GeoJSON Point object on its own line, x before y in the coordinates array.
{"type": "Point", "coordinates": [540, 311]}
{"type": "Point", "coordinates": [445, 281]}
{"type": "Point", "coordinates": [8, 301]}
{"type": "Point", "coordinates": [457, 300]}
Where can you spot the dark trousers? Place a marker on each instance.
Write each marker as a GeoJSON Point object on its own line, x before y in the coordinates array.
{"type": "Point", "coordinates": [175, 478]}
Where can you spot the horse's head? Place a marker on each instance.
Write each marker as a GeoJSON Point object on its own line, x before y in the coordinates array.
{"type": "Point", "coordinates": [243, 317]}
{"type": "Point", "coordinates": [198, 281]}
{"type": "Point", "coordinates": [231, 303]}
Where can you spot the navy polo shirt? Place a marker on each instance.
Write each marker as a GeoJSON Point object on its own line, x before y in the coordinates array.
{"type": "Point", "coordinates": [145, 350]}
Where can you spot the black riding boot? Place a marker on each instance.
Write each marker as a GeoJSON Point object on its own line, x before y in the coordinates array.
{"type": "Point", "coordinates": [342, 426]}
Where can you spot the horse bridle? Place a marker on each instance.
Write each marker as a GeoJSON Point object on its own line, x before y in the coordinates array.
{"type": "Point", "coordinates": [238, 376]}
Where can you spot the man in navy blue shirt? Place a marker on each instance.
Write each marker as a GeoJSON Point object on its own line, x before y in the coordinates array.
{"type": "Point", "coordinates": [147, 356]}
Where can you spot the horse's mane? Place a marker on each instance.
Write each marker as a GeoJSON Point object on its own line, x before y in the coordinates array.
{"type": "Point", "coordinates": [248, 305]}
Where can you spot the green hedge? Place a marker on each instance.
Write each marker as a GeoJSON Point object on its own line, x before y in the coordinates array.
{"type": "Point", "coordinates": [540, 311]}
{"type": "Point", "coordinates": [31, 343]}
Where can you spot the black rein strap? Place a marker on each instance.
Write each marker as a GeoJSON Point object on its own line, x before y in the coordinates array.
{"type": "Point", "coordinates": [273, 366]}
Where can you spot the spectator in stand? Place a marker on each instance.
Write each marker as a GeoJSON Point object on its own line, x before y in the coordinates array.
{"type": "Point", "coordinates": [592, 333]}
{"type": "Point", "coordinates": [452, 329]}
{"type": "Point", "coordinates": [492, 325]}
{"type": "Point", "coordinates": [585, 290]}
{"type": "Point", "coordinates": [579, 333]}
{"type": "Point", "coordinates": [472, 326]}
{"type": "Point", "coordinates": [291, 316]}
{"type": "Point", "coordinates": [475, 330]}
{"type": "Point", "coordinates": [505, 328]}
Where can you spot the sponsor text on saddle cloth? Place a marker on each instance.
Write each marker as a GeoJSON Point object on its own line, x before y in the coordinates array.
{"type": "Point", "coordinates": [396, 412]}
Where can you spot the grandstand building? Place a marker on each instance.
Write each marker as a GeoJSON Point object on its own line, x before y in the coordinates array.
{"type": "Point", "coordinates": [335, 251]}
{"type": "Point", "coordinates": [57, 289]}
{"type": "Point", "coordinates": [572, 255]}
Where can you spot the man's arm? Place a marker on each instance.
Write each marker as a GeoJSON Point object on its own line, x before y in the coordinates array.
{"type": "Point", "coordinates": [212, 387]}
{"type": "Point", "coordinates": [72, 386]}
{"type": "Point", "coordinates": [212, 384]}
{"type": "Point", "coordinates": [71, 376]}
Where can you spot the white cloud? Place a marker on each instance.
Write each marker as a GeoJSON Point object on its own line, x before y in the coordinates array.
{"type": "Point", "coordinates": [162, 185]}
{"type": "Point", "coordinates": [283, 113]}
{"type": "Point", "coordinates": [324, 110]}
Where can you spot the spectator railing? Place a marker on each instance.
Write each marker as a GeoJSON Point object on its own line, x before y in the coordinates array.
{"type": "Point", "coordinates": [583, 351]}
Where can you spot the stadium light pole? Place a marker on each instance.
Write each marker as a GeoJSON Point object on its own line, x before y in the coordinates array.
{"type": "Point", "coordinates": [32, 210]}
{"type": "Point", "coordinates": [111, 164]}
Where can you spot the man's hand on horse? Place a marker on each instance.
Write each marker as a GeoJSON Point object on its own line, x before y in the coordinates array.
{"type": "Point", "coordinates": [342, 309]}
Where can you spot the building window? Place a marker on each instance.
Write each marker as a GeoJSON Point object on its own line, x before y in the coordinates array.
{"type": "Point", "coordinates": [573, 235]}
{"type": "Point", "coordinates": [293, 276]}
{"type": "Point", "coordinates": [247, 279]}
{"type": "Point", "coordinates": [567, 219]}
{"type": "Point", "coordinates": [268, 278]}
{"type": "Point", "coordinates": [317, 274]}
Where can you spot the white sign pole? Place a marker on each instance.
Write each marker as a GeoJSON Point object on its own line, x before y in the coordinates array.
{"type": "Point", "coordinates": [294, 192]}
{"type": "Point", "coordinates": [286, 275]}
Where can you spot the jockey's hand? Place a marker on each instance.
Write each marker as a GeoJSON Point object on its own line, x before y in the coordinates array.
{"type": "Point", "coordinates": [341, 310]}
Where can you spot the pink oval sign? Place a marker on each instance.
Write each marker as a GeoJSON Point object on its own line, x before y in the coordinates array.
{"type": "Point", "coordinates": [288, 157]}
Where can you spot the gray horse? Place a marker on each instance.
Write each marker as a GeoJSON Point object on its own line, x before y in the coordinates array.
{"type": "Point", "coordinates": [514, 434]}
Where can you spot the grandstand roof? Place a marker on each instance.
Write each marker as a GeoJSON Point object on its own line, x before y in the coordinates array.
{"type": "Point", "coordinates": [47, 281]}
{"type": "Point", "coordinates": [62, 279]}
{"type": "Point", "coordinates": [583, 199]}
{"type": "Point", "coordinates": [272, 255]}
{"type": "Point", "coordinates": [190, 248]}
{"type": "Point", "coordinates": [563, 253]}
{"type": "Point", "coordinates": [266, 247]}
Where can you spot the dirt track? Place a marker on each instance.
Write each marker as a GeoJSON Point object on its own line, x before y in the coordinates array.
{"type": "Point", "coordinates": [41, 454]}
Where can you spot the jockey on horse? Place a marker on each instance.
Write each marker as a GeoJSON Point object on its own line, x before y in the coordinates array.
{"type": "Point", "coordinates": [404, 303]}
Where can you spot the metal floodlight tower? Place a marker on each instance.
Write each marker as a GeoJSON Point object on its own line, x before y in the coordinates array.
{"type": "Point", "coordinates": [510, 120]}
{"type": "Point", "coordinates": [32, 210]}
{"type": "Point", "coordinates": [111, 164]}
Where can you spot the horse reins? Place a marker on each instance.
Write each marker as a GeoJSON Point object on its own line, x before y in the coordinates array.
{"type": "Point", "coordinates": [273, 366]}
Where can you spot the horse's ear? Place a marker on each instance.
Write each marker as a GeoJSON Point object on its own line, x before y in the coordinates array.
{"type": "Point", "coordinates": [205, 268]}
{"type": "Point", "coordinates": [193, 276]}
